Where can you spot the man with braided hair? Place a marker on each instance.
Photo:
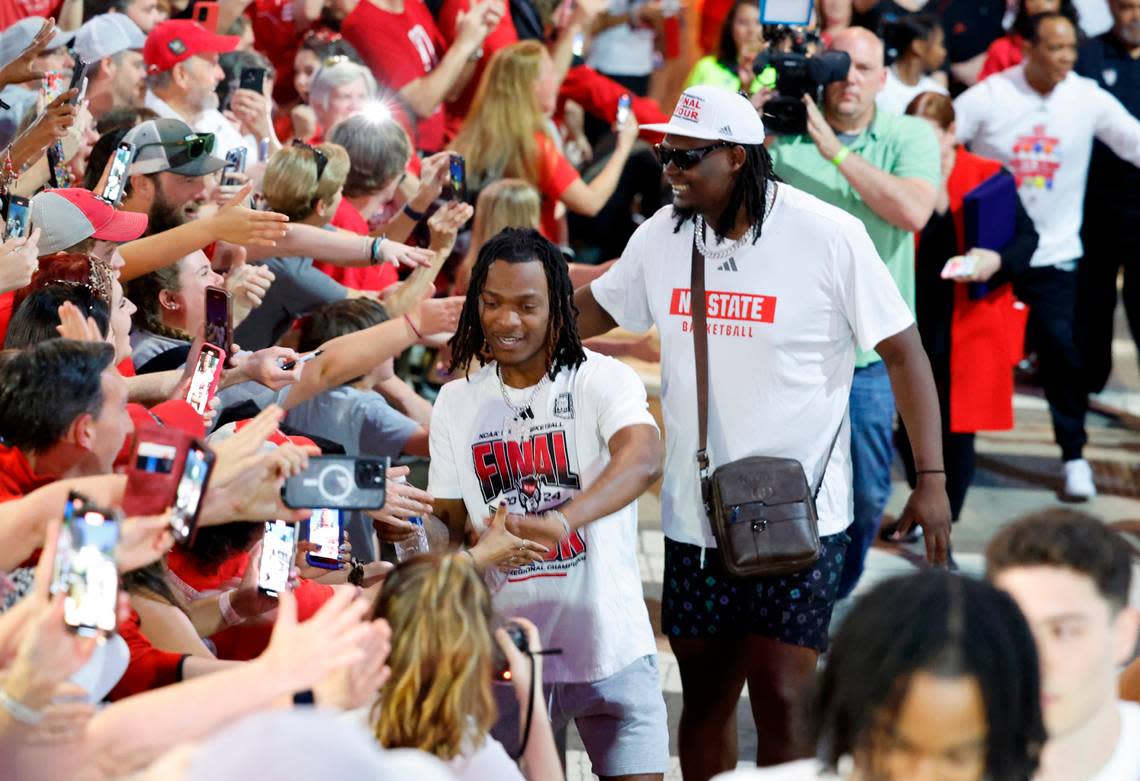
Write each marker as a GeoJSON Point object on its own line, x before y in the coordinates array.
{"type": "Point", "coordinates": [561, 439]}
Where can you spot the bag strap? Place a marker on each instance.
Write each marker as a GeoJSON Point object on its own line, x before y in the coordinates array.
{"type": "Point", "coordinates": [698, 306]}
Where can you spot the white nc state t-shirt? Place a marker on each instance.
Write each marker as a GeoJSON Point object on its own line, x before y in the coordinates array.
{"type": "Point", "coordinates": [784, 317]}
{"type": "Point", "coordinates": [1046, 140]}
{"type": "Point", "coordinates": [585, 597]}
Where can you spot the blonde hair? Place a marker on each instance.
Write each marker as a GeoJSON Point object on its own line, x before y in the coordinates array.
{"type": "Point", "coordinates": [290, 184]}
{"type": "Point", "coordinates": [438, 698]}
{"type": "Point", "coordinates": [507, 203]}
{"type": "Point", "coordinates": [498, 138]}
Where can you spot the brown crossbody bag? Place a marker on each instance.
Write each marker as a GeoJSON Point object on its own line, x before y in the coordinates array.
{"type": "Point", "coordinates": [761, 508]}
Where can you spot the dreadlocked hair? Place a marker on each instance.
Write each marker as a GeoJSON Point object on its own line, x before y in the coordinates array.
{"type": "Point", "coordinates": [521, 245]}
{"type": "Point", "coordinates": [746, 195]}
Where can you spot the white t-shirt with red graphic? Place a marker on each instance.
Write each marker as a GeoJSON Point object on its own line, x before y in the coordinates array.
{"type": "Point", "coordinates": [784, 318]}
{"type": "Point", "coordinates": [1046, 140]}
{"type": "Point", "coordinates": [586, 597]}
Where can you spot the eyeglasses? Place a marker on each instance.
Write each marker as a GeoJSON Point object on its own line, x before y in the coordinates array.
{"type": "Point", "coordinates": [189, 148]}
{"type": "Point", "coordinates": [319, 157]}
{"type": "Point", "coordinates": [686, 158]}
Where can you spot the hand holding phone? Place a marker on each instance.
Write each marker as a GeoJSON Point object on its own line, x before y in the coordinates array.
{"type": "Point", "coordinates": [337, 482]}
{"type": "Point", "coordinates": [325, 530]}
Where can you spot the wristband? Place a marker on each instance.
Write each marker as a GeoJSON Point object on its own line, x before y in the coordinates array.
{"type": "Point", "coordinates": [229, 615]}
{"type": "Point", "coordinates": [374, 250]}
{"type": "Point", "coordinates": [413, 214]}
{"type": "Point", "coordinates": [930, 472]}
{"type": "Point", "coordinates": [557, 514]}
{"type": "Point", "coordinates": [840, 156]}
{"type": "Point", "coordinates": [412, 325]}
{"type": "Point", "coordinates": [19, 711]}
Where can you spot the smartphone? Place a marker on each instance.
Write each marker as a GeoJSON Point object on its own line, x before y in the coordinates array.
{"type": "Point", "coordinates": [325, 530]}
{"type": "Point", "coordinates": [339, 483]}
{"type": "Point", "coordinates": [206, 14]}
{"type": "Point", "coordinates": [117, 175]}
{"type": "Point", "coordinates": [235, 162]}
{"type": "Point", "coordinates": [78, 79]}
{"type": "Point", "coordinates": [252, 79]}
{"type": "Point", "coordinates": [278, 548]}
{"type": "Point", "coordinates": [960, 266]}
{"type": "Point", "coordinates": [52, 85]}
{"type": "Point", "coordinates": [457, 180]}
{"type": "Point", "coordinates": [219, 319]}
{"type": "Point", "coordinates": [16, 223]}
{"type": "Point", "coordinates": [204, 382]}
{"type": "Point", "coordinates": [624, 103]}
{"type": "Point", "coordinates": [85, 570]}
{"type": "Point", "coordinates": [196, 470]}
{"type": "Point", "coordinates": [151, 472]}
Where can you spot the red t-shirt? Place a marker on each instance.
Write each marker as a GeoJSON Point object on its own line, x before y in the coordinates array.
{"type": "Point", "coordinates": [149, 667]}
{"type": "Point", "coordinates": [555, 174]}
{"type": "Point", "coordinates": [501, 37]}
{"type": "Point", "coordinates": [357, 277]}
{"type": "Point", "coordinates": [1003, 53]}
{"type": "Point", "coordinates": [275, 35]}
{"type": "Point", "coordinates": [12, 11]}
{"type": "Point", "coordinates": [400, 48]}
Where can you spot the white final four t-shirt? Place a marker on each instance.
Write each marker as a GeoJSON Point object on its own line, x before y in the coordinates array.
{"type": "Point", "coordinates": [784, 318]}
{"type": "Point", "coordinates": [585, 597]}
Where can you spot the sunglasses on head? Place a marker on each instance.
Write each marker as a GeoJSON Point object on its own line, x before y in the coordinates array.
{"type": "Point", "coordinates": [319, 157]}
{"type": "Point", "coordinates": [186, 149]}
{"type": "Point", "coordinates": [685, 158]}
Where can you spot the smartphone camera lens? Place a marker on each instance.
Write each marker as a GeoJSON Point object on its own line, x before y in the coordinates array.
{"type": "Point", "coordinates": [369, 474]}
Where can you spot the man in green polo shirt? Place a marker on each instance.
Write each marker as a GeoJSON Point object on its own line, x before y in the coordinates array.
{"type": "Point", "coordinates": [883, 169]}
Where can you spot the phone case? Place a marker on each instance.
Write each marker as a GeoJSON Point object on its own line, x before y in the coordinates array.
{"type": "Point", "coordinates": [219, 329]}
{"type": "Point", "coordinates": [190, 490]}
{"type": "Point", "coordinates": [150, 487]}
{"type": "Point", "coordinates": [337, 483]}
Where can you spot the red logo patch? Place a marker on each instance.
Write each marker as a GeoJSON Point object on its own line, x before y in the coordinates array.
{"type": "Point", "coordinates": [722, 305]}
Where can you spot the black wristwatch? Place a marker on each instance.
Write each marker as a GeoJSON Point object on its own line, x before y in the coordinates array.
{"type": "Point", "coordinates": [413, 214]}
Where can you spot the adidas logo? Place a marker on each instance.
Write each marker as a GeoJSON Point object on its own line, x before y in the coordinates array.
{"type": "Point", "coordinates": [728, 265]}
{"type": "Point", "coordinates": [727, 130]}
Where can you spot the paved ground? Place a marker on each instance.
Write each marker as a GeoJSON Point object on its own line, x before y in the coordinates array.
{"type": "Point", "coordinates": [1017, 474]}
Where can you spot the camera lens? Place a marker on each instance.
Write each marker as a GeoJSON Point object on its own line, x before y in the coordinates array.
{"type": "Point", "coordinates": [369, 473]}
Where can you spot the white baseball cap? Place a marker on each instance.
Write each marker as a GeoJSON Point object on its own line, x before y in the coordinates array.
{"type": "Point", "coordinates": [713, 114]}
{"type": "Point", "coordinates": [106, 35]}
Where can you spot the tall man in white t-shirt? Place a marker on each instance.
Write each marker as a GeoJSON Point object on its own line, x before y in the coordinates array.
{"type": "Point", "coordinates": [564, 438]}
{"type": "Point", "coordinates": [1071, 576]}
{"type": "Point", "coordinates": [792, 289]}
{"type": "Point", "coordinates": [1040, 119]}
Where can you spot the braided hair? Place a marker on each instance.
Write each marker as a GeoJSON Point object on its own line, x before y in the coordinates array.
{"type": "Point", "coordinates": [521, 245]}
{"type": "Point", "coordinates": [749, 192]}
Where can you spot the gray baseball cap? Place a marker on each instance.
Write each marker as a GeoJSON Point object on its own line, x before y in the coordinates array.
{"type": "Point", "coordinates": [16, 38]}
{"type": "Point", "coordinates": [106, 35]}
{"type": "Point", "coordinates": [171, 145]}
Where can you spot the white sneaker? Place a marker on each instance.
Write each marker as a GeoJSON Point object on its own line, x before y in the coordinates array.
{"type": "Point", "coordinates": [1079, 483]}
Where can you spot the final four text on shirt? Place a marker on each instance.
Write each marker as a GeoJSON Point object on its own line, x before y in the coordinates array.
{"type": "Point", "coordinates": [724, 305]}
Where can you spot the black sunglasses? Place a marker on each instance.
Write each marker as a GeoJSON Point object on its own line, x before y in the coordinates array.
{"type": "Point", "coordinates": [686, 158]}
{"type": "Point", "coordinates": [319, 157]}
{"type": "Point", "coordinates": [187, 149]}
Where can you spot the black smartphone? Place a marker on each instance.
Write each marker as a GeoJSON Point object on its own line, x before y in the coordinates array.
{"type": "Point", "coordinates": [235, 162]}
{"type": "Point", "coordinates": [219, 319]}
{"type": "Point", "coordinates": [117, 175]}
{"type": "Point", "coordinates": [338, 483]}
{"type": "Point", "coordinates": [85, 571]}
{"type": "Point", "coordinates": [252, 79]}
{"type": "Point", "coordinates": [325, 530]}
{"type": "Point", "coordinates": [16, 222]}
{"type": "Point", "coordinates": [196, 471]}
{"type": "Point", "coordinates": [78, 74]}
{"type": "Point", "coordinates": [457, 179]}
{"type": "Point", "coordinates": [278, 549]}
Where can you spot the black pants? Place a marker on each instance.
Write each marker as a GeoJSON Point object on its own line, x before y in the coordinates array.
{"type": "Point", "coordinates": [1111, 236]}
{"type": "Point", "coordinates": [1051, 295]}
{"type": "Point", "coordinates": [958, 454]}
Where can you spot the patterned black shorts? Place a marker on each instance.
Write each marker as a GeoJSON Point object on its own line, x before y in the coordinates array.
{"type": "Point", "coordinates": [706, 602]}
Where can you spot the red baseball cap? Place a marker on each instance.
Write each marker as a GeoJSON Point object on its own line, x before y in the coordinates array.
{"type": "Point", "coordinates": [180, 39]}
{"type": "Point", "coordinates": [68, 215]}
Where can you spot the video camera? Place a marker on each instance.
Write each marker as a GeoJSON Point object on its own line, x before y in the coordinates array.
{"type": "Point", "coordinates": [798, 73]}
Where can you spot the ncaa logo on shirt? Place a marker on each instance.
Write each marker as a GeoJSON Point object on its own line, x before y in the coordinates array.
{"type": "Point", "coordinates": [564, 406]}
{"type": "Point", "coordinates": [1109, 76]}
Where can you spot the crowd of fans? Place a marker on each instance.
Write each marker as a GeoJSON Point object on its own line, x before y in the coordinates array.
{"type": "Point", "coordinates": [317, 455]}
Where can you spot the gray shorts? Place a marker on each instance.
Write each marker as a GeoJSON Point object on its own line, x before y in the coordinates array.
{"type": "Point", "coordinates": [621, 719]}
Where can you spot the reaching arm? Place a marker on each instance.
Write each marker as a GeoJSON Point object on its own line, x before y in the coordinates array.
{"type": "Point", "coordinates": [917, 401]}
{"type": "Point", "coordinates": [453, 512]}
{"type": "Point", "coordinates": [24, 521]}
{"type": "Point", "coordinates": [588, 199]}
{"type": "Point", "coordinates": [905, 202]}
{"type": "Point", "coordinates": [593, 320]}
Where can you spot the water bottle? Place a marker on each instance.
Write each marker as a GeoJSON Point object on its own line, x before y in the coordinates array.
{"type": "Point", "coordinates": [414, 545]}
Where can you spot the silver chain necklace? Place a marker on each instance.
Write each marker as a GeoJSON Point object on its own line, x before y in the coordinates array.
{"type": "Point", "coordinates": [720, 253]}
{"type": "Point", "coordinates": [515, 425]}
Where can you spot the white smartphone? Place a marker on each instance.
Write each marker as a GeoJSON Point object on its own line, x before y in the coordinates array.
{"type": "Point", "coordinates": [278, 549]}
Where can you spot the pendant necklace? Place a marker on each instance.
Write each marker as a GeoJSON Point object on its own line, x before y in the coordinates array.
{"type": "Point", "coordinates": [515, 427]}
